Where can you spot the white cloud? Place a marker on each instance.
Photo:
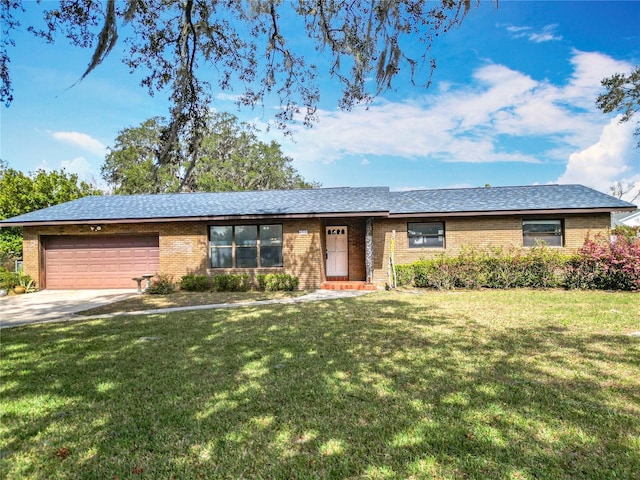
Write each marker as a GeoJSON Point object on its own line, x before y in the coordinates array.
{"type": "Point", "coordinates": [365, 162]}
{"type": "Point", "coordinates": [227, 97]}
{"type": "Point", "coordinates": [611, 159]}
{"type": "Point", "coordinates": [80, 166]}
{"type": "Point", "coordinates": [81, 140]}
{"type": "Point", "coordinates": [494, 120]}
{"type": "Point", "coordinates": [547, 34]}
{"type": "Point", "coordinates": [589, 68]}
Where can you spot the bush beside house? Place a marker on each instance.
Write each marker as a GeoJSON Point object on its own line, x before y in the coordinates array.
{"type": "Point", "coordinates": [599, 264]}
{"type": "Point", "coordinates": [270, 282]}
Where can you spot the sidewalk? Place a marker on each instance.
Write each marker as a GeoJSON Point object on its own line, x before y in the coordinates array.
{"type": "Point", "coordinates": [56, 306]}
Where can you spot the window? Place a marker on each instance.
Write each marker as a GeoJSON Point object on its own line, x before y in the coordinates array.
{"type": "Point", "coordinates": [548, 232]}
{"type": "Point", "coordinates": [245, 246]}
{"type": "Point", "coordinates": [426, 235]}
{"type": "Point", "coordinates": [221, 246]}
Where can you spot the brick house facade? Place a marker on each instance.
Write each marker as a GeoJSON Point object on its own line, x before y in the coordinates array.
{"type": "Point", "coordinates": [365, 220]}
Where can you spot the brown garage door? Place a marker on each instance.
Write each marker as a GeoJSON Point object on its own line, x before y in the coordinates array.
{"type": "Point", "coordinates": [76, 262]}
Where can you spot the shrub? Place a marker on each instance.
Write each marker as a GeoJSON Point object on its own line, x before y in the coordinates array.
{"type": "Point", "coordinates": [631, 233]}
{"type": "Point", "coordinates": [538, 267]}
{"type": "Point", "coordinates": [8, 279]}
{"type": "Point", "coordinates": [404, 275]}
{"type": "Point", "coordinates": [195, 283]}
{"type": "Point", "coordinates": [273, 282]}
{"type": "Point", "coordinates": [231, 282]}
{"type": "Point", "coordinates": [606, 264]}
{"type": "Point", "coordinates": [27, 282]}
{"type": "Point", "coordinates": [161, 284]}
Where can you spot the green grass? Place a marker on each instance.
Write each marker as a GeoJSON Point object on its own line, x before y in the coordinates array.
{"type": "Point", "coordinates": [492, 384]}
{"type": "Point", "coordinates": [183, 299]}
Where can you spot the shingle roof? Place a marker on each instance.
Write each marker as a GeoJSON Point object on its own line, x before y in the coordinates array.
{"type": "Point", "coordinates": [324, 202]}
{"type": "Point", "coordinates": [496, 199]}
{"type": "Point", "coordinates": [193, 205]}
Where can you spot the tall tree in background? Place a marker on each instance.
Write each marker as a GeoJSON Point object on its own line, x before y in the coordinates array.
{"type": "Point", "coordinates": [231, 157]}
{"type": "Point", "coordinates": [185, 46]}
{"type": "Point", "coordinates": [622, 94]}
{"type": "Point", "coordinates": [20, 193]}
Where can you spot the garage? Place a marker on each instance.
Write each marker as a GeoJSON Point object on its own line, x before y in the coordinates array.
{"type": "Point", "coordinates": [79, 262]}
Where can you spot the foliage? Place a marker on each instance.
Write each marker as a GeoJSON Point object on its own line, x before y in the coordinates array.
{"type": "Point", "coordinates": [277, 282]}
{"type": "Point", "coordinates": [8, 279]}
{"type": "Point", "coordinates": [231, 282]}
{"type": "Point", "coordinates": [630, 233]}
{"type": "Point", "coordinates": [405, 274]}
{"type": "Point", "coordinates": [27, 282]}
{"type": "Point", "coordinates": [231, 157]}
{"type": "Point", "coordinates": [537, 267]}
{"type": "Point", "coordinates": [195, 283]}
{"type": "Point", "coordinates": [21, 193]}
{"type": "Point", "coordinates": [10, 243]}
{"type": "Point", "coordinates": [184, 46]}
{"type": "Point", "coordinates": [622, 95]}
{"type": "Point", "coordinates": [605, 264]}
{"type": "Point", "coordinates": [161, 284]}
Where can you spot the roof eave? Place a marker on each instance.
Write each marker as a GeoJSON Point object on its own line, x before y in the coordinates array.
{"type": "Point", "coordinates": [558, 211]}
{"type": "Point", "coordinates": [212, 218]}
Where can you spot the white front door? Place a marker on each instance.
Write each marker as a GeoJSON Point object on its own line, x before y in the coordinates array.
{"type": "Point", "coordinates": [337, 252]}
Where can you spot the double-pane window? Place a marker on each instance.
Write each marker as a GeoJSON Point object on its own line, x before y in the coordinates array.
{"type": "Point", "coordinates": [426, 235]}
{"type": "Point", "coordinates": [245, 246]}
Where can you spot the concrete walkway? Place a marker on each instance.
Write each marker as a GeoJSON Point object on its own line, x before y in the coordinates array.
{"type": "Point", "coordinates": [55, 305]}
{"type": "Point", "coordinates": [61, 305]}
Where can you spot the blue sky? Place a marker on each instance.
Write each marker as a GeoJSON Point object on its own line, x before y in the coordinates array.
{"type": "Point", "coordinates": [512, 103]}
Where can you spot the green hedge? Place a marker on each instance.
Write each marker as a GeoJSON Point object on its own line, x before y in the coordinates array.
{"type": "Point", "coordinates": [196, 283]}
{"type": "Point", "coordinates": [233, 282]}
{"type": "Point", "coordinates": [537, 267]}
{"type": "Point", "coordinates": [273, 282]}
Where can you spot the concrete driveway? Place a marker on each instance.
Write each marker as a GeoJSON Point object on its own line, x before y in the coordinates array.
{"type": "Point", "coordinates": [52, 305]}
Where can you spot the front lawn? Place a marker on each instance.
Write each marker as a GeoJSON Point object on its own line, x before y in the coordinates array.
{"type": "Point", "coordinates": [184, 299]}
{"type": "Point", "coordinates": [493, 384]}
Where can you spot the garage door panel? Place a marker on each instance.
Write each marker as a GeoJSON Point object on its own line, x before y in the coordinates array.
{"type": "Point", "coordinates": [76, 262]}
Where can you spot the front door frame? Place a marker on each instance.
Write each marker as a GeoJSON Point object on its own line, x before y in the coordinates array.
{"type": "Point", "coordinates": [333, 256]}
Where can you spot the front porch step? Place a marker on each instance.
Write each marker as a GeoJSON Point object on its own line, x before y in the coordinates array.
{"type": "Point", "coordinates": [347, 285]}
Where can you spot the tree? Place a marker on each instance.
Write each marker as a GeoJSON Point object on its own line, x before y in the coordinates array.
{"type": "Point", "coordinates": [20, 193]}
{"type": "Point", "coordinates": [183, 46]}
{"type": "Point", "coordinates": [622, 95]}
{"type": "Point", "coordinates": [625, 189]}
{"type": "Point", "coordinates": [231, 157]}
